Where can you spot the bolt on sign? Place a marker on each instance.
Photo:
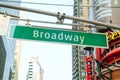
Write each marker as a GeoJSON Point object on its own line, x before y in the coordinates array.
{"type": "Point", "coordinates": [59, 36]}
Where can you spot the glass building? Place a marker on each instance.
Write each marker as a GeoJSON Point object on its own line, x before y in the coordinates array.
{"type": "Point", "coordinates": [7, 46]}
{"type": "Point", "coordinates": [103, 14]}
{"type": "Point", "coordinates": [107, 10]}
{"type": "Point", "coordinates": [78, 61]}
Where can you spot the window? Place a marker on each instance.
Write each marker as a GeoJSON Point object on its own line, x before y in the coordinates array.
{"type": "Point", "coordinates": [116, 2]}
{"type": "Point", "coordinates": [88, 2]}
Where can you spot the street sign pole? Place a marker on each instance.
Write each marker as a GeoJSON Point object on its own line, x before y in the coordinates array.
{"type": "Point", "coordinates": [66, 16]}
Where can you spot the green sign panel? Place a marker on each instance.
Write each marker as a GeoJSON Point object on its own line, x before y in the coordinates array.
{"type": "Point", "coordinates": [59, 35]}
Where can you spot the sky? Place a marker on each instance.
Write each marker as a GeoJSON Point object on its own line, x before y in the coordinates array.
{"type": "Point", "coordinates": [55, 58]}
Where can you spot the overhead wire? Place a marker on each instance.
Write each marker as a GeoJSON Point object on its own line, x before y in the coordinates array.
{"type": "Point", "coordinates": [38, 3]}
{"type": "Point", "coordinates": [67, 5]}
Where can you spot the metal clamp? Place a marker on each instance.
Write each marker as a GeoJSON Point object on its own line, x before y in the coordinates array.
{"type": "Point", "coordinates": [60, 18]}
{"type": "Point", "coordinates": [28, 22]}
{"type": "Point", "coordinates": [5, 14]}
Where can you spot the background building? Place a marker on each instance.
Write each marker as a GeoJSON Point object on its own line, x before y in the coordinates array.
{"type": "Point", "coordinates": [7, 46]}
{"type": "Point", "coordinates": [107, 11]}
{"type": "Point", "coordinates": [35, 71]}
{"type": "Point", "coordinates": [104, 13]}
{"type": "Point", "coordinates": [17, 54]}
{"type": "Point", "coordinates": [82, 10]}
{"type": "Point", "coordinates": [17, 58]}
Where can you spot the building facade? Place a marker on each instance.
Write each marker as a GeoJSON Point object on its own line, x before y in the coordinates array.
{"type": "Point", "coordinates": [17, 59]}
{"type": "Point", "coordinates": [103, 14]}
{"type": "Point", "coordinates": [81, 10]}
{"type": "Point", "coordinates": [107, 11]}
{"type": "Point", "coordinates": [7, 46]}
{"type": "Point", "coordinates": [35, 71]}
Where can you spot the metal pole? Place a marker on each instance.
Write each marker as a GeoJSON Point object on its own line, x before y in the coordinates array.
{"type": "Point", "coordinates": [55, 14]}
{"type": "Point", "coordinates": [78, 25]}
{"type": "Point", "coordinates": [94, 22]}
{"type": "Point", "coordinates": [9, 15]}
{"type": "Point", "coordinates": [30, 20]}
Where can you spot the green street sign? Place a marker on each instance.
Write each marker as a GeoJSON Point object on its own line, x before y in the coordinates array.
{"type": "Point", "coordinates": [59, 35]}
